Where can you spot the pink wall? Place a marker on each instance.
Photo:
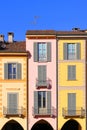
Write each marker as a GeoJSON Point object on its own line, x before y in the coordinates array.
{"type": "Point", "coordinates": [51, 73]}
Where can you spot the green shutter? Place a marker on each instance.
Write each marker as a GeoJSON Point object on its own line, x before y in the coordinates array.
{"type": "Point", "coordinates": [71, 103]}
{"type": "Point", "coordinates": [19, 71]}
{"type": "Point", "coordinates": [6, 71]}
{"type": "Point", "coordinates": [12, 103]}
{"type": "Point", "coordinates": [48, 51]}
{"type": "Point", "coordinates": [71, 72]}
{"type": "Point", "coordinates": [35, 51]}
{"type": "Point", "coordinates": [35, 102]}
{"type": "Point", "coordinates": [42, 75]}
{"type": "Point", "coordinates": [65, 51]}
{"type": "Point", "coordinates": [78, 52]}
{"type": "Point", "coordinates": [48, 102]}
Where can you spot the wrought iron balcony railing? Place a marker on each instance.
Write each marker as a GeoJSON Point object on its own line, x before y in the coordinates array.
{"type": "Point", "coordinates": [43, 83]}
{"type": "Point", "coordinates": [44, 112]}
{"type": "Point", "coordinates": [20, 111]}
{"type": "Point", "coordinates": [79, 112]}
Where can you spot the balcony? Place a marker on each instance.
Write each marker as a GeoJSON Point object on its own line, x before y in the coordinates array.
{"type": "Point", "coordinates": [14, 112]}
{"type": "Point", "coordinates": [43, 83]}
{"type": "Point", "coordinates": [79, 112]}
{"type": "Point", "coordinates": [44, 112]}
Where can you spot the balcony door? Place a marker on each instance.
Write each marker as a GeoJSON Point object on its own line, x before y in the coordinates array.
{"type": "Point", "coordinates": [71, 104]}
{"type": "Point", "coordinates": [12, 103]}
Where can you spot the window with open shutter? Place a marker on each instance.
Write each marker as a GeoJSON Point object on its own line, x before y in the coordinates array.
{"type": "Point", "coordinates": [12, 71]}
{"type": "Point", "coordinates": [71, 51]}
{"type": "Point", "coordinates": [42, 51]}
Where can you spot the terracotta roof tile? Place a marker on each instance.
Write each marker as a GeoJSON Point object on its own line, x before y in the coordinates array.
{"type": "Point", "coordinates": [54, 32]}
{"type": "Point", "coordinates": [14, 47]}
{"type": "Point", "coordinates": [40, 32]}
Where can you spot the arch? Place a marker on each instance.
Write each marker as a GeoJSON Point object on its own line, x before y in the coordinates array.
{"type": "Point", "coordinates": [42, 124]}
{"type": "Point", "coordinates": [71, 125]}
{"type": "Point", "coordinates": [12, 125]}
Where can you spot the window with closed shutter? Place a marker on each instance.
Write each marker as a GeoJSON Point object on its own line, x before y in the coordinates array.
{"type": "Point", "coordinates": [71, 103]}
{"type": "Point", "coordinates": [71, 72]}
{"type": "Point", "coordinates": [42, 79]}
{"type": "Point", "coordinates": [12, 103]}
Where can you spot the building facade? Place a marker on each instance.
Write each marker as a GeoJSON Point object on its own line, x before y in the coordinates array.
{"type": "Point", "coordinates": [13, 85]}
{"type": "Point", "coordinates": [42, 76]}
{"type": "Point", "coordinates": [71, 80]}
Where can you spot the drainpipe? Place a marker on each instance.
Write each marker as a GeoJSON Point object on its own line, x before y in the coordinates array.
{"type": "Point", "coordinates": [86, 80]}
{"type": "Point", "coordinates": [57, 82]}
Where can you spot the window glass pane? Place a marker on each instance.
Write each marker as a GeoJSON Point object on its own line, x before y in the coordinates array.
{"type": "Point", "coordinates": [71, 51]}
{"type": "Point", "coordinates": [39, 99]}
{"type": "Point", "coordinates": [14, 76]}
{"type": "Point", "coordinates": [42, 50]}
{"type": "Point", "coordinates": [10, 76]}
{"type": "Point", "coordinates": [44, 99]}
{"type": "Point", "coordinates": [14, 70]}
{"type": "Point", "coordinates": [9, 68]}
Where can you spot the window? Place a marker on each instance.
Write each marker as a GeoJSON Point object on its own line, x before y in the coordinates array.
{"type": "Point", "coordinates": [12, 71]}
{"type": "Point", "coordinates": [71, 72]}
{"type": "Point", "coordinates": [42, 51]}
{"type": "Point", "coordinates": [12, 103]}
{"type": "Point", "coordinates": [42, 102]}
{"type": "Point", "coordinates": [71, 51]}
{"type": "Point", "coordinates": [42, 99]}
{"type": "Point", "coordinates": [41, 81]}
{"type": "Point", "coordinates": [71, 103]}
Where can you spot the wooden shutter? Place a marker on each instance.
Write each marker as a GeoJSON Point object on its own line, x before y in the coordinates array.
{"type": "Point", "coordinates": [48, 102]}
{"type": "Point", "coordinates": [35, 51]}
{"type": "Point", "coordinates": [71, 103]}
{"type": "Point", "coordinates": [65, 51]}
{"type": "Point", "coordinates": [35, 102]}
{"type": "Point", "coordinates": [6, 71]}
{"type": "Point", "coordinates": [41, 75]}
{"type": "Point", "coordinates": [71, 72]}
{"type": "Point", "coordinates": [48, 51]}
{"type": "Point", "coordinates": [12, 103]}
{"type": "Point", "coordinates": [78, 50]}
{"type": "Point", "coordinates": [19, 71]}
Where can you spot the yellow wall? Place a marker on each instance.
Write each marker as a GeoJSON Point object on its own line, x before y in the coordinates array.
{"type": "Point", "coordinates": [76, 86]}
{"type": "Point", "coordinates": [63, 75]}
{"type": "Point", "coordinates": [19, 86]}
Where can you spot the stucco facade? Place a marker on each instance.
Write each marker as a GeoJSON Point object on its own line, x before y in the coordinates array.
{"type": "Point", "coordinates": [10, 116]}
{"type": "Point", "coordinates": [33, 119]}
{"type": "Point", "coordinates": [68, 88]}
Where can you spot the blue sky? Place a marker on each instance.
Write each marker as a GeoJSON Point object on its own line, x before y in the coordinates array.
{"type": "Point", "coordinates": [20, 15]}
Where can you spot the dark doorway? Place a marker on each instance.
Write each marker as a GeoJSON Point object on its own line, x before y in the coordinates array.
{"type": "Point", "coordinates": [42, 125]}
{"type": "Point", "coordinates": [12, 125]}
{"type": "Point", "coordinates": [71, 125]}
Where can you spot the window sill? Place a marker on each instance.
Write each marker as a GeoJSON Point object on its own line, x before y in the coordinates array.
{"type": "Point", "coordinates": [71, 79]}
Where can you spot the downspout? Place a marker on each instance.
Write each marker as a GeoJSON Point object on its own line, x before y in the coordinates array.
{"type": "Point", "coordinates": [86, 80]}
{"type": "Point", "coordinates": [57, 82]}
{"type": "Point", "coordinates": [27, 92]}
